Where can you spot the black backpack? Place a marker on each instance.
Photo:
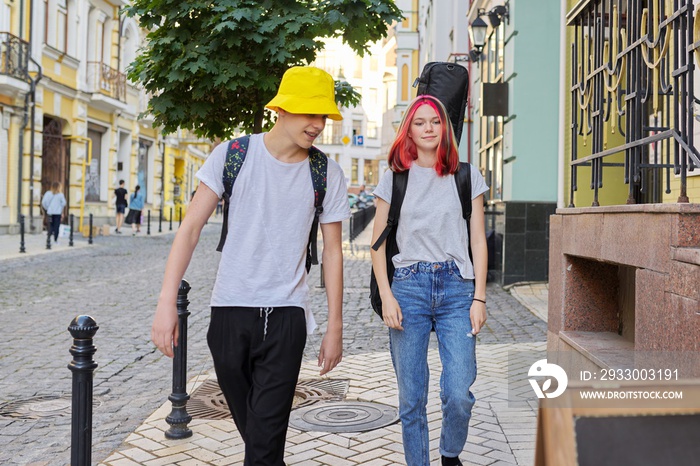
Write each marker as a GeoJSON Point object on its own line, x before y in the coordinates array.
{"type": "Point", "coordinates": [463, 179]}
{"type": "Point", "coordinates": [318, 163]}
{"type": "Point", "coordinates": [449, 82]}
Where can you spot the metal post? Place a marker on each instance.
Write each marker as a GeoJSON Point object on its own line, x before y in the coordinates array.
{"type": "Point", "coordinates": [90, 235]}
{"type": "Point", "coordinates": [179, 214]}
{"type": "Point", "coordinates": [160, 220]}
{"type": "Point", "coordinates": [22, 249]}
{"type": "Point", "coordinates": [83, 329]}
{"type": "Point", "coordinates": [171, 219]}
{"type": "Point", "coordinates": [148, 224]}
{"type": "Point", "coordinates": [48, 235]}
{"type": "Point", "coordinates": [70, 236]}
{"type": "Point", "coordinates": [323, 281]}
{"type": "Point", "coordinates": [178, 417]}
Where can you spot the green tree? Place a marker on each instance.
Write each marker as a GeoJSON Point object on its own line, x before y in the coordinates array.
{"type": "Point", "coordinates": [212, 66]}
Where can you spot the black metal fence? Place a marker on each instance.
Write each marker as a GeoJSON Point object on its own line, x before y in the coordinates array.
{"type": "Point", "coordinates": [632, 67]}
{"type": "Point", "coordinates": [14, 56]}
{"type": "Point", "coordinates": [360, 219]}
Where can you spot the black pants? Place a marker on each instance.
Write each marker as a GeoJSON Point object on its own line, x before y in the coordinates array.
{"type": "Point", "coordinates": [55, 224]}
{"type": "Point", "coordinates": [257, 356]}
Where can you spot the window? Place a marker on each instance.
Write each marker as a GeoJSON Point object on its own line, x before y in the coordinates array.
{"type": "Point", "coordinates": [92, 173]}
{"type": "Point", "coordinates": [372, 132]}
{"type": "Point", "coordinates": [142, 165]}
{"type": "Point", "coordinates": [353, 171]}
{"type": "Point", "coordinates": [61, 25]}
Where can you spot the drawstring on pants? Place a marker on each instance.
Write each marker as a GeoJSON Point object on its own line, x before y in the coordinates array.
{"type": "Point", "coordinates": [267, 311]}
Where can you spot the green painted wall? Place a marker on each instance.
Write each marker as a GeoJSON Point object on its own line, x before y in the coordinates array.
{"type": "Point", "coordinates": [534, 100]}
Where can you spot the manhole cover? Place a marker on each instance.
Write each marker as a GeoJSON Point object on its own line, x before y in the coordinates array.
{"type": "Point", "coordinates": [343, 417]}
{"type": "Point", "coordinates": [208, 402]}
{"type": "Point", "coordinates": [38, 407]}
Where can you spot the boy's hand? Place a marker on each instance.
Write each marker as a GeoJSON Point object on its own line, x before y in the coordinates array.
{"type": "Point", "coordinates": [164, 332]}
{"type": "Point", "coordinates": [331, 351]}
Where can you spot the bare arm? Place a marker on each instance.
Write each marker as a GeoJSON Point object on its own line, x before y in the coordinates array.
{"type": "Point", "coordinates": [164, 332]}
{"type": "Point", "coordinates": [477, 241]}
{"type": "Point", "coordinates": [391, 311]}
{"type": "Point", "coordinates": [331, 352]}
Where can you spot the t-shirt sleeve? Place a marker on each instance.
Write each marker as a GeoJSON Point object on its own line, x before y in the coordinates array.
{"type": "Point", "coordinates": [383, 189]}
{"type": "Point", "coordinates": [335, 204]}
{"type": "Point", "coordinates": [479, 186]}
{"type": "Point", "coordinates": [212, 171]}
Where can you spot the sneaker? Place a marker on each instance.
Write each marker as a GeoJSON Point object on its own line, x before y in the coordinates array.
{"type": "Point", "coordinates": [447, 461]}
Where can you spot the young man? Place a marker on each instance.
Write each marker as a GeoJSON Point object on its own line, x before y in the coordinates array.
{"type": "Point", "coordinates": [260, 307]}
{"type": "Point", "coordinates": [120, 192]}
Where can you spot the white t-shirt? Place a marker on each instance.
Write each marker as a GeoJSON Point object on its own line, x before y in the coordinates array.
{"type": "Point", "coordinates": [263, 263]}
{"type": "Point", "coordinates": [431, 227]}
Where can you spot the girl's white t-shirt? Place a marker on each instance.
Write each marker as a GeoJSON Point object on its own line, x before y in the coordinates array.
{"type": "Point", "coordinates": [431, 227]}
{"type": "Point", "coordinates": [263, 262]}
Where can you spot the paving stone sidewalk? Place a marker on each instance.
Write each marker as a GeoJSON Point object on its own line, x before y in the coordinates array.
{"type": "Point", "coordinates": [500, 432]}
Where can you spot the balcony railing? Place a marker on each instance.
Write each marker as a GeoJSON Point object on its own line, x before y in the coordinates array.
{"type": "Point", "coordinates": [632, 93]}
{"type": "Point", "coordinates": [14, 56]}
{"type": "Point", "coordinates": [106, 80]}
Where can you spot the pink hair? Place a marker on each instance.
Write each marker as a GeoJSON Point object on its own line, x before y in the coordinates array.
{"type": "Point", "coordinates": [403, 150]}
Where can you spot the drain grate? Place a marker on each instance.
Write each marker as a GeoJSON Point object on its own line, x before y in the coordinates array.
{"type": "Point", "coordinates": [208, 402]}
{"type": "Point", "coordinates": [38, 407]}
{"type": "Point", "coordinates": [343, 417]}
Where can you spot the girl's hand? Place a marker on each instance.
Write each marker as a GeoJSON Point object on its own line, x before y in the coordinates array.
{"type": "Point", "coordinates": [391, 312]}
{"type": "Point", "coordinates": [477, 315]}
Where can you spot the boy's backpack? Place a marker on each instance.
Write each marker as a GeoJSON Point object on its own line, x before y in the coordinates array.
{"type": "Point", "coordinates": [463, 179]}
{"type": "Point", "coordinates": [449, 83]}
{"type": "Point", "coordinates": [318, 163]}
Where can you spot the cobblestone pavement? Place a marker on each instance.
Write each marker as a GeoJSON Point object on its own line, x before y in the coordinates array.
{"type": "Point", "coordinates": [117, 281]}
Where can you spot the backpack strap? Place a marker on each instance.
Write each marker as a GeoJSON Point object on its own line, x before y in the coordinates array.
{"type": "Point", "coordinates": [398, 191]}
{"type": "Point", "coordinates": [463, 178]}
{"type": "Point", "coordinates": [318, 163]}
{"type": "Point", "coordinates": [237, 150]}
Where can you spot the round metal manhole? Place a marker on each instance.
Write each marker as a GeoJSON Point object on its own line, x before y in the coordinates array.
{"type": "Point", "coordinates": [38, 407]}
{"type": "Point", "coordinates": [207, 401]}
{"type": "Point", "coordinates": [344, 417]}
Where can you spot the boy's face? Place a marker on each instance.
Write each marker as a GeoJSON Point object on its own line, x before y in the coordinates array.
{"type": "Point", "coordinates": [303, 129]}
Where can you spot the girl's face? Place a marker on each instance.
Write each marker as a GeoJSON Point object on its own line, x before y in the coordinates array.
{"type": "Point", "coordinates": [425, 129]}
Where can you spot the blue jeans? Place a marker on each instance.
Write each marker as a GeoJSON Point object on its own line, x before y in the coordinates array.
{"type": "Point", "coordinates": [433, 295]}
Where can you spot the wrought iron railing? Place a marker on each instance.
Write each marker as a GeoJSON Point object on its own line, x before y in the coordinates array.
{"type": "Point", "coordinates": [14, 56]}
{"type": "Point", "coordinates": [632, 67]}
{"type": "Point", "coordinates": [106, 80]}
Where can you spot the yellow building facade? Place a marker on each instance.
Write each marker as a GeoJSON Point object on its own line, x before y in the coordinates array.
{"type": "Point", "coordinates": [70, 115]}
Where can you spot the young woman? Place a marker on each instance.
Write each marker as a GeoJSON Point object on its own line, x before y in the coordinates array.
{"type": "Point", "coordinates": [435, 285]}
{"type": "Point", "coordinates": [136, 206]}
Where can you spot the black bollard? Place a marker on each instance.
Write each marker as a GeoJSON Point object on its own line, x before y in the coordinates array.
{"type": "Point", "coordinates": [22, 249]}
{"type": "Point", "coordinates": [323, 280]}
{"type": "Point", "coordinates": [178, 417]}
{"type": "Point", "coordinates": [70, 235]}
{"type": "Point", "coordinates": [83, 329]}
{"type": "Point", "coordinates": [171, 219]}
{"type": "Point", "coordinates": [48, 236]}
{"type": "Point", "coordinates": [148, 223]}
{"type": "Point", "coordinates": [160, 220]}
{"type": "Point", "coordinates": [90, 234]}
{"type": "Point", "coordinates": [179, 214]}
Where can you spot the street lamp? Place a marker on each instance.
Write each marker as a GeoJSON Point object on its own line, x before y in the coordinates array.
{"type": "Point", "coordinates": [478, 28]}
{"type": "Point", "coordinates": [477, 34]}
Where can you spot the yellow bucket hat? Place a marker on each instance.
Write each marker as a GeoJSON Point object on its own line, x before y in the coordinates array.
{"type": "Point", "coordinates": [306, 90]}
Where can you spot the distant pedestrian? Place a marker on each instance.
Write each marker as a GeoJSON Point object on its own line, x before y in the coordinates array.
{"type": "Point", "coordinates": [53, 203]}
{"type": "Point", "coordinates": [260, 311]}
{"type": "Point", "coordinates": [133, 218]}
{"type": "Point", "coordinates": [120, 192]}
{"type": "Point", "coordinates": [435, 284]}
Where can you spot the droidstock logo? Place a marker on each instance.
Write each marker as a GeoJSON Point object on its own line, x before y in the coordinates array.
{"type": "Point", "coordinates": [543, 369]}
